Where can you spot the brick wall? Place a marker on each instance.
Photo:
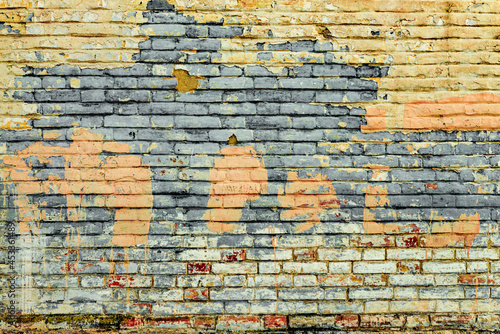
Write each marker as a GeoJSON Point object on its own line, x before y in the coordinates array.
{"type": "Point", "coordinates": [205, 165]}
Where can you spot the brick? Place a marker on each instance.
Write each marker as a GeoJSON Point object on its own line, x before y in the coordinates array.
{"type": "Point", "coordinates": [231, 83]}
{"type": "Point", "coordinates": [443, 267]}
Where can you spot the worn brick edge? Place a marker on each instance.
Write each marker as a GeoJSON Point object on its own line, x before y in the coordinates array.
{"type": "Point", "coordinates": [364, 323]}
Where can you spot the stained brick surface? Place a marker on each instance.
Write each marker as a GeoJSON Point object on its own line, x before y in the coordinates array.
{"type": "Point", "coordinates": [249, 165]}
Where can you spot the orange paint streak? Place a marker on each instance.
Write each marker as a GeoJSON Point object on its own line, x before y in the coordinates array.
{"type": "Point", "coordinates": [376, 120]}
{"type": "Point", "coordinates": [473, 112]}
{"type": "Point", "coordinates": [376, 197]}
{"type": "Point", "coordinates": [85, 173]}
{"type": "Point", "coordinates": [307, 198]}
{"type": "Point", "coordinates": [465, 229]}
{"type": "Point", "coordinates": [237, 178]}
{"type": "Point", "coordinates": [52, 135]}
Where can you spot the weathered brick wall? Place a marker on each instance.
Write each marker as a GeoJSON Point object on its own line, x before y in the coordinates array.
{"type": "Point", "coordinates": [250, 164]}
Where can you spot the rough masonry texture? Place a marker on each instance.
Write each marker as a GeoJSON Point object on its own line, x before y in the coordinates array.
{"type": "Point", "coordinates": [249, 165]}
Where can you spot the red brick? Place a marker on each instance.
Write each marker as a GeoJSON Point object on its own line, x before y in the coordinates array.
{"type": "Point", "coordinates": [376, 321]}
{"type": "Point", "coordinates": [204, 323]}
{"type": "Point", "coordinates": [233, 255]}
{"type": "Point", "coordinates": [273, 322]}
{"type": "Point", "coordinates": [199, 268]}
{"type": "Point", "coordinates": [239, 323]}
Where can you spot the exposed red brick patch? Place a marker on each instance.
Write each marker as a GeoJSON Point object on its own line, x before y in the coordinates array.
{"type": "Point", "coordinates": [408, 267]}
{"type": "Point", "coordinates": [204, 323]}
{"type": "Point", "coordinates": [233, 255]}
{"type": "Point", "coordinates": [199, 268]}
{"type": "Point", "coordinates": [119, 281]}
{"type": "Point", "coordinates": [196, 294]}
{"type": "Point", "coordinates": [453, 319]}
{"type": "Point", "coordinates": [273, 322]}
{"type": "Point", "coordinates": [347, 321]}
{"type": "Point", "coordinates": [376, 321]}
{"type": "Point", "coordinates": [131, 323]}
{"type": "Point", "coordinates": [171, 322]}
{"type": "Point", "coordinates": [475, 279]}
{"type": "Point", "coordinates": [238, 323]}
{"type": "Point", "coordinates": [304, 254]}
{"type": "Point", "coordinates": [432, 186]}
{"type": "Point", "coordinates": [408, 241]}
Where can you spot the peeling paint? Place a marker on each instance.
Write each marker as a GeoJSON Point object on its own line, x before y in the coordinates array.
{"type": "Point", "coordinates": [237, 178]}
{"type": "Point", "coordinates": [108, 180]}
{"type": "Point", "coordinates": [306, 199]}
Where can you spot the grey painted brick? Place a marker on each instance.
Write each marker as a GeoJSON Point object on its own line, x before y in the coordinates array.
{"type": "Point", "coordinates": [223, 135]}
{"type": "Point", "coordinates": [193, 31]}
{"type": "Point", "coordinates": [300, 71]}
{"type": "Point", "coordinates": [162, 121]}
{"type": "Point", "coordinates": [301, 294]}
{"type": "Point", "coordinates": [333, 71]}
{"type": "Point", "coordinates": [370, 293]}
{"type": "Point", "coordinates": [62, 95]}
{"type": "Point", "coordinates": [231, 83]}
{"type": "Point", "coordinates": [268, 122]}
{"type": "Point", "coordinates": [200, 96]}
{"type": "Point", "coordinates": [28, 82]}
{"type": "Point", "coordinates": [302, 109]}
{"type": "Point", "coordinates": [162, 56]}
{"type": "Point", "coordinates": [125, 82]}
{"type": "Point", "coordinates": [233, 109]}
{"type": "Point", "coordinates": [304, 123]}
{"type": "Point", "coordinates": [230, 71]}
{"type": "Point", "coordinates": [224, 31]}
{"type": "Point", "coordinates": [266, 83]}
{"type": "Point", "coordinates": [56, 122]}
{"type": "Point", "coordinates": [323, 46]}
{"type": "Point", "coordinates": [262, 71]}
{"type": "Point", "coordinates": [209, 148]}
{"type": "Point", "coordinates": [301, 83]}
{"type": "Point", "coordinates": [164, 43]}
{"type": "Point", "coordinates": [157, 83]}
{"type": "Point", "coordinates": [162, 69]}
{"type": "Point", "coordinates": [368, 71]}
{"type": "Point", "coordinates": [164, 96]}
{"type": "Point", "coordinates": [53, 82]}
{"type": "Point", "coordinates": [197, 122]}
{"type": "Point", "coordinates": [163, 29]}
{"type": "Point", "coordinates": [28, 96]}
{"type": "Point", "coordinates": [128, 96]}
{"type": "Point", "coordinates": [330, 96]}
{"type": "Point", "coordinates": [302, 46]}
{"type": "Point", "coordinates": [127, 121]}
{"type": "Point", "coordinates": [296, 135]}
{"type": "Point", "coordinates": [94, 82]}
{"type": "Point", "coordinates": [336, 83]}
{"type": "Point", "coordinates": [361, 84]}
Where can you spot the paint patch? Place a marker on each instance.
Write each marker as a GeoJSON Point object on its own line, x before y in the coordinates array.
{"type": "Point", "coordinates": [185, 81]}
{"type": "Point", "coordinates": [306, 199]}
{"type": "Point", "coordinates": [475, 112]}
{"type": "Point", "coordinates": [119, 183]}
{"type": "Point", "coordinates": [376, 197]}
{"type": "Point", "coordinates": [237, 178]}
{"type": "Point", "coordinates": [462, 230]}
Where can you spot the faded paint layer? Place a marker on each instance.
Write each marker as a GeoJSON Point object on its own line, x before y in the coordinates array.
{"type": "Point", "coordinates": [307, 199]}
{"type": "Point", "coordinates": [237, 179]}
{"type": "Point", "coordinates": [120, 183]}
